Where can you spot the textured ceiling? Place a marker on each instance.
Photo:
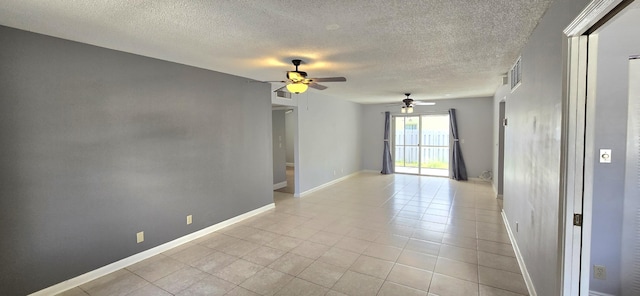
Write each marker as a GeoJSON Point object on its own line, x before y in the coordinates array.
{"type": "Point", "coordinates": [431, 48]}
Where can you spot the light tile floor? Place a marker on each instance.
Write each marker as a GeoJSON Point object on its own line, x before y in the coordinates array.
{"type": "Point", "coordinates": [368, 235]}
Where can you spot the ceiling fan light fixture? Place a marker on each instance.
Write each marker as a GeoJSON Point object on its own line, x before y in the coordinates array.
{"type": "Point", "coordinates": [410, 109]}
{"type": "Point", "coordinates": [403, 110]}
{"type": "Point", "coordinates": [297, 88]}
{"type": "Point", "coordinates": [294, 76]}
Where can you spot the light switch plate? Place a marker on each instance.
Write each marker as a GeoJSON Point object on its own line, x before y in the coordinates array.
{"type": "Point", "coordinates": [605, 155]}
{"type": "Point", "coordinates": [140, 237]}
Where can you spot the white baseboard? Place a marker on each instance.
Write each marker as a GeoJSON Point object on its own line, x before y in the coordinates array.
{"type": "Point", "coordinates": [290, 164]}
{"type": "Point", "coordinates": [594, 293]}
{"type": "Point", "coordinates": [523, 267]}
{"type": "Point", "coordinates": [115, 266]}
{"type": "Point", "coordinates": [499, 196]}
{"type": "Point", "coordinates": [478, 180]}
{"type": "Point", "coordinates": [327, 184]}
{"type": "Point", "coordinates": [280, 185]}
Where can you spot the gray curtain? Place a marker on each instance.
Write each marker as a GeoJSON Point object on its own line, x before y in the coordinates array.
{"type": "Point", "coordinates": [387, 161]}
{"type": "Point", "coordinates": [457, 165]}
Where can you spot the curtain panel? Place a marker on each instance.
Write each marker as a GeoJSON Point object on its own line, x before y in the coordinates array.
{"type": "Point", "coordinates": [458, 168]}
{"type": "Point", "coordinates": [387, 161]}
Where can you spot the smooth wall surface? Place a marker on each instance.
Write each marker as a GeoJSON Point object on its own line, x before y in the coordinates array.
{"type": "Point", "coordinates": [607, 128]}
{"type": "Point", "coordinates": [532, 147]}
{"type": "Point", "coordinates": [329, 139]}
{"type": "Point", "coordinates": [474, 116]}
{"type": "Point", "coordinates": [97, 145]}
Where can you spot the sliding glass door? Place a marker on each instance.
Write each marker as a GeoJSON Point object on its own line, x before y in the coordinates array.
{"type": "Point", "coordinates": [421, 144]}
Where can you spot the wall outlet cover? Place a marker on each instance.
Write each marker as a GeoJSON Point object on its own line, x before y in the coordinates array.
{"type": "Point", "coordinates": [140, 237]}
{"type": "Point", "coordinates": [599, 272]}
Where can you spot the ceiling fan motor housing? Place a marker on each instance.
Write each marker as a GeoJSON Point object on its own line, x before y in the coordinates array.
{"type": "Point", "coordinates": [408, 102]}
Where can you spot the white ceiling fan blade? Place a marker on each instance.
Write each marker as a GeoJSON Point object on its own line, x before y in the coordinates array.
{"type": "Point", "coordinates": [423, 103]}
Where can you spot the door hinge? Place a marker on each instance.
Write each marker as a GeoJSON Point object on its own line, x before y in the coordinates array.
{"type": "Point", "coordinates": [577, 219]}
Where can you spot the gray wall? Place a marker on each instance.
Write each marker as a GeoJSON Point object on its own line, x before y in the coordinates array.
{"type": "Point", "coordinates": [329, 139]}
{"type": "Point", "coordinates": [279, 147]}
{"type": "Point", "coordinates": [97, 145]}
{"type": "Point", "coordinates": [607, 117]}
{"type": "Point", "coordinates": [474, 126]}
{"type": "Point", "coordinates": [532, 147]}
{"type": "Point", "coordinates": [291, 126]}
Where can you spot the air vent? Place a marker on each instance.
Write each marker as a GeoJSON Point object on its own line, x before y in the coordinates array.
{"type": "Point", "coordinates": [515, 74]}
{"type": "Point", "coordinates": [283, 94]}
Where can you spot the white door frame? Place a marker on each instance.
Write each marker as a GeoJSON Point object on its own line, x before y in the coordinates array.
{"type": "Point", "coordinates": [576, 166]}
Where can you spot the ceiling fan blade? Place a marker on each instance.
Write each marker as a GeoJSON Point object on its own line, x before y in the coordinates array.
{"type": "Point", "coordinates": [329, 79]}
{"type": "Point", "coordinates": [280, 89]}
{"type": "Point", "coordinates": [424, 103]}
{"type": "Point", "coordinates": [317, 86]}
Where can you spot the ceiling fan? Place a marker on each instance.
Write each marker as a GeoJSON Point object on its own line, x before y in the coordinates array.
{"type": "Point", "coordinates": [297, 81]}
{"type": "Point", "coordinates": [408, 104]}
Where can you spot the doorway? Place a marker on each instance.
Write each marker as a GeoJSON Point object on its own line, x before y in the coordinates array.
{"type": "Point", "coordinates": [289, 127]}
{"type": "Point", "coordinates": [600, 45]}
{"type": "Point", "coordinates": [501, 125]}
{"type": "Point", "coordinates": [284, 121]}
{"type": "Point", "coordinates": [422, 144]}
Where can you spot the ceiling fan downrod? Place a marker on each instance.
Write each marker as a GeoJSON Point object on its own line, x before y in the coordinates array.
{"type": "Point", "coordinates": [296, 63]}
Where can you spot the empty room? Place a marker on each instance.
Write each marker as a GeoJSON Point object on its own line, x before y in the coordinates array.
{"type": "Point", "coordinates": [282, 147]}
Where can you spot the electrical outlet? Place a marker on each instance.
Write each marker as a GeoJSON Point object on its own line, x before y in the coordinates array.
{"type": "Point", "coordinates": [189, 219]}
{"type": "Point", "coordinates": [140, 237]}
{"type": "Point", "coordinates": [600, 272]}
{"type": "Point", "coordinates": [605, 155]}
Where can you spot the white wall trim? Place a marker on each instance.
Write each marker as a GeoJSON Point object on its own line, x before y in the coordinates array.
{"type": "Point", "coordinates": [479, 180]}
{"type": "Point", "coordinates": [102, 271]}
{"type": "Point", "coordinates": [594, 293]}
{"type": "Point", "coordinates": [494, 186]}
{"type": "Point", "coordinates": [523, 267]}
{"type": "Point", "coordinates": [302, 194]}
{"type": "Point", "coordinates": [279, 185]}
{"type": "Point", "coordinates": [590, 15]}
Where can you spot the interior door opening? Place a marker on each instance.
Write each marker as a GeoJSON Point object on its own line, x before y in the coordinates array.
{"type": "Point", "coordinates": [422, 144]}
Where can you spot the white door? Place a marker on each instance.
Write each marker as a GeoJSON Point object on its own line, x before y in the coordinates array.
{"type": "Point", "coordinates": [631, 217]}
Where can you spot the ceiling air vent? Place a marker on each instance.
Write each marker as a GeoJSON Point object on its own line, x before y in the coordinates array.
{"type": "Point", "coordinates": [283, 94]}
{"type": "Point", "coordinates": [515, 74]}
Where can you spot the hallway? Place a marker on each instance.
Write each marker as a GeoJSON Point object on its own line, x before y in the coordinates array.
{"type": "Point", "coordinates": [371, 234]}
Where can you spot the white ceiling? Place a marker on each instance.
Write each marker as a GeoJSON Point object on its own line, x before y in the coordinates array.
{"type": "Point", "coordinates": [432, 48]}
